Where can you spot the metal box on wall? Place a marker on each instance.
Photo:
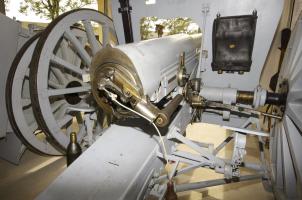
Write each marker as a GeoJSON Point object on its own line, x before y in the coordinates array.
{"type": "Point", "coordinates": [233, 41]}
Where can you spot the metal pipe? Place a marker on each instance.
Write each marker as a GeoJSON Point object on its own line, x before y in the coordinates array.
{"type": "Point", "coordinates": [248, 165]}
{"type": "Point", "coordinates": [245, 97]}
{"type": "Point", "coordinates": [252, 166]}
{"type": "Point", "coordinates": [225, 142]}
{"type": "Point", "coordinates": [231, 95]}
{"type": "Point", "coordinates": [275, 98]}
{"type": "Point", "coordinates": [196, 84]}
{"type": "Point", "coordinates": [180, 171]}
{"type": "Point", "coordinates": [165, 114]}
{"type": "Point", "coordinates": [204, 184]}
{"type": "Point", "coordinates": [125, 10]}
{"type": "Point", "coordinates": [225, 95]}
{"type": "Point", "coordinates": [161, 117]}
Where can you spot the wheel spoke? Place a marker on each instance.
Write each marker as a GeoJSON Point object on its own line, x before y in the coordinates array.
{"type": "Point", "coordinates": [273, 146]}
{"type": "Point", "coordinates": [294, 96]}
{"type": "Point", "coordinates": [64, 50]}
{"type": "Point", "coordinates": [56, 105]}
{"type": "Point", "coordinates": [61, 112]}
{"type": "Point", "coordinates": [65, 120]}
{"type": "Point", "coordinates": [78, 46]}
{"type": "Point", "coordinates": [296, 81]}
{"type": "Point", "coordinates": [295, 142]}
{"type": "Point", "coordinates": [105, 35]}
{"type": "Point", "coordinates": [69, 129]}
{"type": "Point", "coordinates": [279, 163]}
{"type": "Point", "coordinates": [57, 92]}
{"type": "Point", "coordinates": [288, 168]}
{"type": "Point", "coordinates": [94, 43]}
{"type": "Point", "coordinates": [62, 63]}
{"type": "Point", "coordinates": [52, 77]}
{"type": "Point", "coordinates": [54, 85]}
{"type": "Point", "coordinates": [294, 111]}
{"type": "Point", "coordinates": [59, 75]}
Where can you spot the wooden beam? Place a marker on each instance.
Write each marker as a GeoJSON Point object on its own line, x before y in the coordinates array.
{"type": "Point", "coordinates": [101, 6]}
{"type": "Point", "coordinates": [2, 7]}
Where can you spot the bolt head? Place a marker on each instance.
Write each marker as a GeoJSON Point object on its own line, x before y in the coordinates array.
{"type": "Point", "coordinates": [159, 120]}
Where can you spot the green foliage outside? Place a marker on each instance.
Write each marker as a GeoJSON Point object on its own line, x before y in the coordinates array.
{"type": "Point", "coordinates": [50, 9]}
{"type": "Point", "coordinates": [171, 26]}
{"type": "Point", "coordinates": [146, 27]}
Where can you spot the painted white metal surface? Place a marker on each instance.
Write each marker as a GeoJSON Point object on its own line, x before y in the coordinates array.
{"type": "Point", "coordinates": [23, 116]}
{"type": "Point", "coordinates": [225, 95]}
{"type": "Point", "coordinates": [157, 60]}
{"type": "Point", "coordinates": [9, 41]}
{"type": "Point", "coordinates": [12, 37]}
{"type": "Point", "coordinates": [269, 13]}
{"type": "Point", "coordinates": [107, 168]}
{"type": "Point", "coordinates": [119, 165]}
{"type": "Point", "coordinates": [229, 95]}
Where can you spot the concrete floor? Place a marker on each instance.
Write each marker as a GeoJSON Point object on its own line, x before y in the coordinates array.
{"type": "Point", "coordinates": [35, 172]}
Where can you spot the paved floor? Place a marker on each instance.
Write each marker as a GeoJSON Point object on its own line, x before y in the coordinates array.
{"type": "Point", "coordinates": [29, 178]}
{"type": "Point", "coordinates": [236, 191]}
{"type": "Point", "coordinates": [35, 172]}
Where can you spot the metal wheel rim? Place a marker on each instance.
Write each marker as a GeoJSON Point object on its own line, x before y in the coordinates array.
{"type": "Point", "coordinates": [15, 102]}
{"type": "Point", "coordinates": [286, 136]}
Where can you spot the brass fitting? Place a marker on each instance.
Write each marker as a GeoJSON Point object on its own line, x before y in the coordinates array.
{"type": "Point", "coordinates": [245, 97]}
